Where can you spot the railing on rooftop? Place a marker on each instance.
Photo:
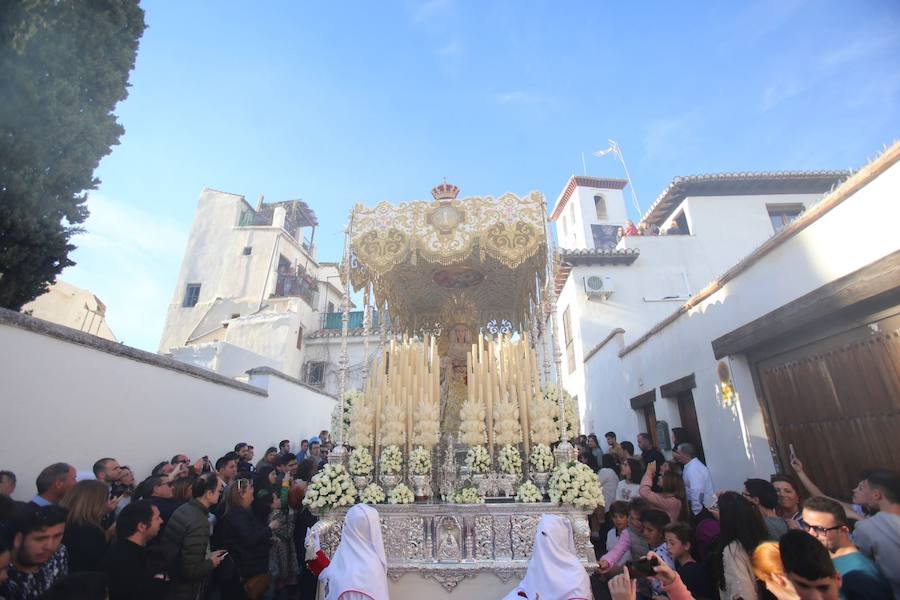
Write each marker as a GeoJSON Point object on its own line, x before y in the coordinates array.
{"type": "Point", "coordinates": [332, 320]}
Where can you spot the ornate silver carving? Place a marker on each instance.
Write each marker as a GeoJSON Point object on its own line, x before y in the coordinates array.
{"type": "Point", "coordinates": [523, 528]}
{"type": "Point", "coordinates": [389, 482]}
{"type": "Point", "coordinates": [449, 535]}
{"type": "Point", "coordinates": [506, 484]}
{"type": "Point", "coordinates": [503, 537]}
{"type": "Point", "coordinates": [484, 537]}
{"type": "Point", "coordinates": [449, 542]}
{"type": "Point", "coordinates": [540, 479]}
{"type": "Point", "coordinates": [449, 579]}
{"type": "Point", "coordinates": [360, 482]}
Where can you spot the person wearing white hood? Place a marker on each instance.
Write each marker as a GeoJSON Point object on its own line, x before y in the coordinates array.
{"type": "Point", "coordinates": [554, 571]}
{"type": "Point", "coordinates": [358, 570]}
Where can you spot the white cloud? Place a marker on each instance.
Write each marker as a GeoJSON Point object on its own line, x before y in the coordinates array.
{"type": "Point", "coordinates": [518, 97]}
{"type": "Point", "coordinates": [430, 9]}
{"type": "Point", "coordinates": [774, 94]}
{"type": "Point", "coordinates": [862, 47]}
{"type": "Point", "coordinates": [667, 136]}
{"type": "Point", "coordinates": [451, 49]}
{"type": "Point", "coordinates": [129, 258]}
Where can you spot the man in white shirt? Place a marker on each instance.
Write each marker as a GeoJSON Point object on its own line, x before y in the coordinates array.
{"type": "Point", "coordinates": [697, 481]}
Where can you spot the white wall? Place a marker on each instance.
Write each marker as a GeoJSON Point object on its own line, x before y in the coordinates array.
{"type": "Point", "coordinates": [67, 402]}
{"type": "Point", "coordinates": [733, 434]}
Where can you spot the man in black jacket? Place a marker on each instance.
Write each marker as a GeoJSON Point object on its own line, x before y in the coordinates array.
{"type": "Point", "coordinates": [131, 575]}
{"type": "Point", "coordinates": [649, 453]}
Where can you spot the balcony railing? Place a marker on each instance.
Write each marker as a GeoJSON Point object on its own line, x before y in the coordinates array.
{"type": "Point", "coordinates": [299, 286]}
{"type": "Point", "coordinates": [332, 320]}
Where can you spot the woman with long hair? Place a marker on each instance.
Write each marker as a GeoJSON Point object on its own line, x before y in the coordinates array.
{"type": "Point", "coordinates": [609, 479]}
{"type": "Point", "coordinates": [630, 486]}
{"type": "Point", "coordinates": [85, 538]}
{"type": "Point", "coordinates": [742, 530]}
{"type": "Point", "coordinates": [790, 497]}
{"type": "Point", "coordinates": [265, 479]}
{"type": "Point", "coordinates": [247, 540]}
{"type": "Point", "coordinates": [672, 498]}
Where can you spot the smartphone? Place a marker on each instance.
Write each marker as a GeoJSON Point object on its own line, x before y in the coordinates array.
{"type": "Point", "coordinates": [793, 454]}
{"type": "Point", "coordinates": [642, 568]}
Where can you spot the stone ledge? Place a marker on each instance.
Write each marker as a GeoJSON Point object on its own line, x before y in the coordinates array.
{"type": "Point", "coordinates": [286, 377]}
{"type": "Point", "coordinates": [73, 336]}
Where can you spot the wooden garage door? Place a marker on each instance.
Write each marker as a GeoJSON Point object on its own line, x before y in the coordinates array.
{"type": "Point", "coordinates": [840, 409]}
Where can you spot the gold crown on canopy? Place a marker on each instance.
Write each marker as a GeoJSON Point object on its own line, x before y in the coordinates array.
{"type": "Point", "coordinates": [445, 191]}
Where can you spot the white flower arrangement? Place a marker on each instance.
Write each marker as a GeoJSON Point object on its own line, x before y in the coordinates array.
{"type": "Point", "coordinates": [426, 423]}
{"type": "Point", "coordinates": [573, 422]}
{"type": "Point", "coordinates": [391, 460]}
{"type": "Point", "coordinates": [471, 426]}
{"type": "Point", "coordinates": [466, 495]}
{"type": "Point", "coordinates": [542, 421]}
{"type": "Point", "coordinates": [478, 460]}
{"type": "Point", "coordinates": [528, 492]}
{"type": "Point", "coordinates": [350, 399]}
{"type": "Point", "coordinates": [541, 458]}
{"type": "Point", "coordinates": [507, 429]}
{"type": "Point", "coordinates": [393, 422]}
{"type": "Point", "coordinates": [420, 462]}
{"type": "Point", "coordinates": [510, 460]}
{"type": "Point", "coordinates": [401, 495]}
{"type": "Point", "coordinates": [331, 487]}
{"type": "Point", "coordinates": [362, 421]}
{"type": "Point", "coordinates": [372, 494]}
{"type": "Point", "coordinates": [575, 483]}
{"type": "Point", "coordinates": [361, 462]}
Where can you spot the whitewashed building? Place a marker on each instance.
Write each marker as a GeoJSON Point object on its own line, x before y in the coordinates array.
{"type": "Point", "coordinates": [728, 327]}
{"type": "Point", "coordinates": [73, 307]}
{"type": "Point", "coordinates": [251, 293]}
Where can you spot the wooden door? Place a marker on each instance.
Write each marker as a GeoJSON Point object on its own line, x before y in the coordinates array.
{"type": "Point", "coordinates": [649, 413]}
{"type": "Point", "coordinates": [688, 413]}
{"type": "Point", "coordinates": [840, 408]}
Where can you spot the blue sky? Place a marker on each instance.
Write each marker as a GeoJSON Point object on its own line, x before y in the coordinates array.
{"type": "Point", "coordinates": [345, 102]}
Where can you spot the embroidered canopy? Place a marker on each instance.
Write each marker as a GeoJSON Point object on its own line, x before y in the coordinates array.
{"type": "Point", "coordinates": [473, 260]}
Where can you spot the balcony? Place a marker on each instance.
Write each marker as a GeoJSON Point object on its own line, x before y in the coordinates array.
{"type": "Point", "coordinates": [332, 320]}
{"type": "Point", "coordinates": [299, 285]}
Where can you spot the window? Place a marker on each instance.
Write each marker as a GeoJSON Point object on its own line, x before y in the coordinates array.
{"type": "Point", "coordinates": [567, 335]}
{"type": "Point", "coordinates": [600, 206]}
{"type": "Point", "coordinates": [783, 215]}
{"type": "Point", "coordinates": [191, 295]}
{"type": "Point", "coordinates": [300, 338]}
{"type": "Point", "coordinates": [330, 307]}
{"type": "Point", "coordinates": [248, 250]}
{"type": "Point", "coordinates": [315, 372]}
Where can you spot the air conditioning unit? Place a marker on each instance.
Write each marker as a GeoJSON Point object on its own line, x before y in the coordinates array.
{"type": "Point", "coordinates": [597, 287]}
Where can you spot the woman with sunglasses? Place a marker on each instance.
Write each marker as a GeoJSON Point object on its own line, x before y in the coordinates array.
{"type": "Point", "coordinates": [247, 541]}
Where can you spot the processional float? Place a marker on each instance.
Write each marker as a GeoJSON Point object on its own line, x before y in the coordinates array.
{"type": "Point", "coordinates": [467, 285]}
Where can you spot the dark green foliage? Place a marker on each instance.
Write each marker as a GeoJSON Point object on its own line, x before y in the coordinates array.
{"type": "Point", "coordinates": [63, 67]}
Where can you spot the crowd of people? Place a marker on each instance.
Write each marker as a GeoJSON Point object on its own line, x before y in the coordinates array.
{"type": "Point", "coordinates": [235, 529]}
{"type": "Point", "coordinates": [780, 537]}
{"type": "Point", "coordinates": [222, 530]}
{"type": "Point", "coordinates": [644, 229]}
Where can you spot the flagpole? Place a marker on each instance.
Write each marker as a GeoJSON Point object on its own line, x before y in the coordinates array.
{"type": "Point", "coordinates": [614, 148]}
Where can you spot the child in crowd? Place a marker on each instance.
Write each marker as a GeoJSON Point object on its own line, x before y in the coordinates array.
{"type": "Point", "coordinates": [653, 522]}
{"type": "Point", "coordinates": [678, 542]}
{"type": "Point", "coordinates": [618, 514]}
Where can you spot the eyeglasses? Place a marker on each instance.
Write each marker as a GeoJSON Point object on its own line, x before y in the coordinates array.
{"type": "Point", "coordinates": [243, 484]}
{"type": "Point", "coordinates": [817, 529]}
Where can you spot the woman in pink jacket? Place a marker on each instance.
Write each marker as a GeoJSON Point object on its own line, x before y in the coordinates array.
{"type": "Point", "coordinates": [672, 499]}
